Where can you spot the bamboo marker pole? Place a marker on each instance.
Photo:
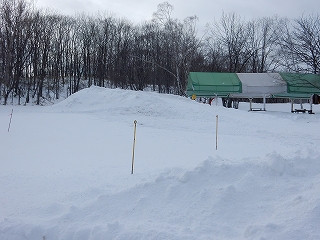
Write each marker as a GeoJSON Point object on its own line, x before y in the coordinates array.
{"type": "Point", "coordinates": [134, 143]}
{"type": "Point", "coordinates": [10, 120]}
{"type": "Point", "coordinates": [217, 132]}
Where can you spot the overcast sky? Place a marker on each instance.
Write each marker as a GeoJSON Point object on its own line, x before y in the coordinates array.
{"type": "Point", "coordinates": [206, 10]}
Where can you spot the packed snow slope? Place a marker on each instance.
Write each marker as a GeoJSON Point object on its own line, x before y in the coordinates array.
{"type": "Point", "coordinates": [65, 170]}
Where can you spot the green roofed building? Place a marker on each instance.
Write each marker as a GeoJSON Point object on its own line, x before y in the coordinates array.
{"type": "Point", "coordinates": [254, 85]}
{"type": "Point", "coordinates": [300, 86]}
{"type": "Point", "coordinates": [208, 84]}
{"type": "Point", "coordinates": [282, 85]}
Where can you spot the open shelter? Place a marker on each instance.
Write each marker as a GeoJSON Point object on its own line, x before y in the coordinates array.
{"type": "Point", "coordinates": [255, 85]}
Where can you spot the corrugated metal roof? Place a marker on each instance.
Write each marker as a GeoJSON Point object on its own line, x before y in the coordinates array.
{"type": "Point", "coordinates": [211, 84]}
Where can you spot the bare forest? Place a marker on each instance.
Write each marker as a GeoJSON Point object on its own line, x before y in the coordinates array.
{"type": "Point", "coordinates": [44, 54]}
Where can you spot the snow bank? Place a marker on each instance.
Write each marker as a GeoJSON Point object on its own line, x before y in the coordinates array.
{"type": "Point", "coordinates": [121, 102]}
{"type": "Point", "coordinates": [252, 199]}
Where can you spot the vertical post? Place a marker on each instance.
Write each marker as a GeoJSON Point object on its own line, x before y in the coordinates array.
{"type": "Point", "coordinates": [217, 132]}
{"type": "Point", "coordinates": [264, 102]}
{"type": "Point", "coordinates": [134, 143]}
{"type": "Point", "coordinates": [10, 120]}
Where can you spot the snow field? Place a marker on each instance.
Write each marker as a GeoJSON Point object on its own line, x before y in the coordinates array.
{"type": "Point", "coordinates": [65, 170]}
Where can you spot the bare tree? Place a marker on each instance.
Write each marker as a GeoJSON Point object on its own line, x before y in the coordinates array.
{"type": "Point", "coordinates": [16, 21]}
{"type": "Point", "coordinates": [263, 44]}
{"type": "Point", "coordinates": [178, 45]}
{"type": "Point", "coordinates": [233, 35]}
{"type": "Point", "coordinates": [301, 45]}
{"type": "Point", "coordinates": [163, 13]}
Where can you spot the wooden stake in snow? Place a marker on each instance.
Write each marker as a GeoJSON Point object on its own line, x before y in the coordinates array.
{"type": "Point", "coordinates": [134, 143]}
{"type": "Point", "coordinates": [217, 132]}
{"type": "Point", "coordinates": [10, 120]}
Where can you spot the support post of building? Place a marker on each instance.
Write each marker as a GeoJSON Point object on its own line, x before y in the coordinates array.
{"type": "Point", "coordinates": [301, 104]}
{"type": "Point", "coordinates": [264, 102]}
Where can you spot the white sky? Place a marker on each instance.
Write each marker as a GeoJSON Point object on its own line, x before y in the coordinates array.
{"type": "Point", "coordinates": [206, 10]}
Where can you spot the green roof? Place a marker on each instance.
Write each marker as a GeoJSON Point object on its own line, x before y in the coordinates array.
{"type": "Point", "coordinates": [302, 83]}
{"type": "Point", "coordinates": [208, 84]}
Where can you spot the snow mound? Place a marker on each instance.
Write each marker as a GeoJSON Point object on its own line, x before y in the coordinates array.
{"type": "Point", "coordinates": [124, 102]}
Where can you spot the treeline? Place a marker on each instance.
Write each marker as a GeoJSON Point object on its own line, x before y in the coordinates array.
{"type": "Point", "coordinates": [43, 54]}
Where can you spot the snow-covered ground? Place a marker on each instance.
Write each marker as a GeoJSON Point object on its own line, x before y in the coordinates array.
{"type": "Point", "coordinates": [65, 170]}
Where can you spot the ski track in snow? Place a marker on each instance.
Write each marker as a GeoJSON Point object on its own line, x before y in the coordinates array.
{"type": "Point", "coordinates": [65, 170]}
